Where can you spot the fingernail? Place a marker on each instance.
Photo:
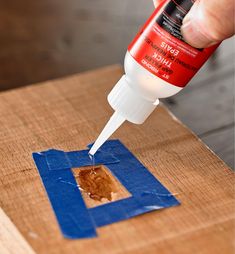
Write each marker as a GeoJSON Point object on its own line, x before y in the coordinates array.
{"type": "Point", "coordinates": [186, 19]}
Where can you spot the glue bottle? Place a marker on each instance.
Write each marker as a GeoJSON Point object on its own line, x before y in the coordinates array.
{"type": "Point", "coordinates": [158, 64]}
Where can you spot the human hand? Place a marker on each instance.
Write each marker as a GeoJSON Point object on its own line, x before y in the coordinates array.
{"type": "Point", "coordinates": [208, 22]}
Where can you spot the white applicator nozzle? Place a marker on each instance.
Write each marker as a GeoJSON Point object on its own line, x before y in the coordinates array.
{"type": "Point", "coordinates": [113, 124]}
{"type": "Point", "coordinates": [128, 105]}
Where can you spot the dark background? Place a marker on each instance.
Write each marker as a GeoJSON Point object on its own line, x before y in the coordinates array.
{"type": "Point", "coordinates": [47, 39]}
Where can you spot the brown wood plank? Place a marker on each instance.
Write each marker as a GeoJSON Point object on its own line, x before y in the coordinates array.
{"type": "Point", "coordinates": [68, 114]}
{"type": "Point", "coordinates": [46, 39]}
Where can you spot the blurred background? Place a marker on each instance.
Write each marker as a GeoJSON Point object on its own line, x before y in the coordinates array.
{"type": "Point", "coordinates": [47, 39]}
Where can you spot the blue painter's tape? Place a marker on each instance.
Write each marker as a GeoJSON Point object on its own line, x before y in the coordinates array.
{"type": "Point", "coordinates": [77, 221]}
{"type": "Point", "coordinates": [66, 200]}
{"type": "Point", "coordinates": [58, 160]}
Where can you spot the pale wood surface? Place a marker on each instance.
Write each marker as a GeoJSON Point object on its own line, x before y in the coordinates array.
{"type": "Point", "coordinates": [11, 241]}
{"type": "Point", "coordinates": [68, 114]}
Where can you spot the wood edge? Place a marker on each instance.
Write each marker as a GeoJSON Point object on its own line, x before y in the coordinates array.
{"type": "Point", "coordinates": [10, 237]}
{"type": "Point", "coordinates": [113, 67]}
{"type": "Point", "coordinates": [176, 119]}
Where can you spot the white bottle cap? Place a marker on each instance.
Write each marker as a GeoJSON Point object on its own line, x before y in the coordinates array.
{"type": "Point", "coordinates": [128, 105]}
{"type": "Point", "coordinates": [132, 106]}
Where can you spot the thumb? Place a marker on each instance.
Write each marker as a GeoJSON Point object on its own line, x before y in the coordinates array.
{"type": "Point", "coordinates": [208, 22]}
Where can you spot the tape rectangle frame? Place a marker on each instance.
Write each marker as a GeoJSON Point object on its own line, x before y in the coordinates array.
{"type": "Point", "coordinates": [78, 221]}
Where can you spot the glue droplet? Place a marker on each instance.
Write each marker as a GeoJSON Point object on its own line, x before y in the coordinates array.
{"type": "Point", "coordinates": [92, 158]}
{"type": "Point", "coordinates": [96, 183]}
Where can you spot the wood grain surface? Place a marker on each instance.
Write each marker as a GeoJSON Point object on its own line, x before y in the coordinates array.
{"type": "Point", "coordinates": [68, 114]}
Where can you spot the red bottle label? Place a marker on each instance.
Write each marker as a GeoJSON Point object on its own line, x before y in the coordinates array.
{"type": "Point", "coordinates": [160, 48]}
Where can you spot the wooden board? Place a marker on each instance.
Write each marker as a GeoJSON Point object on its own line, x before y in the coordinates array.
{"type": "Point", "coordinates": [68, 114]}
{"type": "Point", "coordinates": [10, 238]}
